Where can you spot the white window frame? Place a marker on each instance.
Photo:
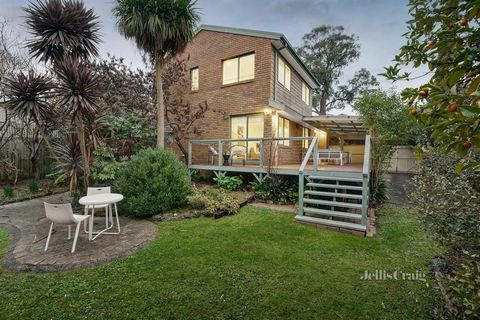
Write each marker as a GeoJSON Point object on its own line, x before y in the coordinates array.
{"type": "Point", "coordinates": [283, 131]}
{"type": "Point", "coordinates": [305, 93]}
{"type": "Point", "coordinates": [238, 62]}
{"type": "Point", "coordinates": [192, 87]}
{"type": "Point", "coordinates": [284, 72]}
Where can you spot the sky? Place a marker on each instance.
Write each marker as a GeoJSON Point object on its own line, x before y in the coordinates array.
{"type": "Point", "coordinates": [379, 24]}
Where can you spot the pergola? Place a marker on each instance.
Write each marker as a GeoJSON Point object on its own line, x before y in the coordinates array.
{"type": "Point", "coordinates": [342, 126]}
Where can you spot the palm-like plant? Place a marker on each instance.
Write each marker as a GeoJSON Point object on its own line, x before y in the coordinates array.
{"type": "Point", "coordinates": [67, 34]}
{"type": "Point", "coordinates": [162, 28]}
{"type": "Point", "coordinates": [69, 164]}
{"type": "Point", "coordinates": [29, 98]}
{"type": "Point", "coordinates": [62, 28]}
{"type": "Point", "coordinates": [78, 92]}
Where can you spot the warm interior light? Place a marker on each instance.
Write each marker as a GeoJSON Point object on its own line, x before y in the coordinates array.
{"type": "Point", "coordinates": [268, 111]}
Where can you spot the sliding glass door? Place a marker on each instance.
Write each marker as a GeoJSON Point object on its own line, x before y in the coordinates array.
{"type": "Point", "coordinates": [246, 127]}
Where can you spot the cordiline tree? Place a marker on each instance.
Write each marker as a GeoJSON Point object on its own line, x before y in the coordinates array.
{"type": "Point", "coordinates": [66, 34]}
{"type": "Point", "coordinates": [162, 29]}
{"type": "Point", "coordinates": [443, 37]}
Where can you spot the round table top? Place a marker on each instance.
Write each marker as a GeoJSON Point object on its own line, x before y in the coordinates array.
{"type": "Point", "coordinates": [102, 198]}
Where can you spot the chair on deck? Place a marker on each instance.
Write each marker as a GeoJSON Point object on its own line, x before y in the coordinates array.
{"type": "Point", "coordinates": [239, 151]}
{"type": "Point", "coordinates": [108, 213]}
{"type": "Point", "coordinates": [213, 154]}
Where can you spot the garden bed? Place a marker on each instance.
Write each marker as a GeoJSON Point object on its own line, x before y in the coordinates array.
{"type": "Point", "coordinates": [26, 190]}
{"type": "Point", "coordinates": [240, 197]}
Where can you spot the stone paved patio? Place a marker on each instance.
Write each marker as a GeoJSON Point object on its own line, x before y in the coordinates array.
{"type": "Point", "coordinates": [28, 228]}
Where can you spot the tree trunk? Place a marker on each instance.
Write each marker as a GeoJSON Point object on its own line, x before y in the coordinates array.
{"type": "Point", "coordinates": [160, 103]}
{"type": "Point", "coordinates": [47, 142]}
{"type": "Point", "coordinates": [83, 148]}
{"type": "Point", "coordinates": [323, 105]}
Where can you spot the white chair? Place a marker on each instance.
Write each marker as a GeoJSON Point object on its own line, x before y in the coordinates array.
{"type": "Point", "coordinates": [213, 155]}
{"type": "Point", "coordinates": [108, 211]}
{"type": "Point", "coordinates": [63, 214]}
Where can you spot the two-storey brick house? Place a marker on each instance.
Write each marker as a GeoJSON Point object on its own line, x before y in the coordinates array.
{"type": "Point", "coordinates": [256, 87]}
{"type": "Point", "coordinates": [259, 97]}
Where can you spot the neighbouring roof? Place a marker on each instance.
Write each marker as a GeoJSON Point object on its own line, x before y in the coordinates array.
{"type": "Point", "coordinates": [278, 40]}
{"type": "Point", "coordinates": [340, 125]}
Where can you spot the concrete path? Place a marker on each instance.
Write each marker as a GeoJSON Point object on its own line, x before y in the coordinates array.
{"type": "Point", "coordinates": [399, 185]}
{"type": "Point", "coordinates": [28, 228]}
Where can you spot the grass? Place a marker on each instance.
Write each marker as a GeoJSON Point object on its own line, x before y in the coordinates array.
{"type": "Point", "coordinates": [255, 265]}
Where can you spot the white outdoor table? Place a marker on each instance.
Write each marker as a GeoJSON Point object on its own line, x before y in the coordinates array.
{"type": "Point", "coordinates": [99, 200]}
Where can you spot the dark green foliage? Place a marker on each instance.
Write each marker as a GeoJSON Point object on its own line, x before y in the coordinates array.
{"type": "Point", "coordinates": [276, 189]}
{"type": "Point", "coordinates": [448, 203]}
{"type": "Point", "coordinates": [464, 288]}
{"type": "Point", "coordinates": [159, 27]}
{"type": "Point", "coordinates": [210, 202]}
{"type": "Point", "coordinates": [380, 193]}
{"type": "Point", "coordinates": [33, 186]}
{"type": "Point", "coordinates": [231, 183]}
{"type": "Point", "coordinates": [153, 182]}
{"type": "Point", "coordinates": [104, 167]}
{"type": "Point", "coordinates": [8, 192]}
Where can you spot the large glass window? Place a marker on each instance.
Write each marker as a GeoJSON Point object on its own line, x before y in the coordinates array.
{"type": "Point", "coordinates": [305, 93]}
{"type": "Point", "coordinates": [306, 133]}
{"type": "Point", "coordinates": [284, 73]}
{"type": "Point", "coordinates": [246, 127]}
{"type": "Point", "coordinates": [238, 69]}
{"type": "Point", "coordinates": [194, 79]}
{"type": "Point", "coordinates": [284, 130]}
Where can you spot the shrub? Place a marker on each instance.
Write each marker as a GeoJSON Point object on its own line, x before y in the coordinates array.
{"type": "Point", "coordinates": [153, 182]}
{"type": "Point", "coordinates": [381, 192]}
{"type": "Point", "coordinates": [278, 190]}
{"type": "Point", "coordinates": [464, 288]}
{"type": "Point", "coordinates": [210, 202]}
{"type": "Point", "coordinates": [447, 203]}
{"type": "Point", "coordinates": [230, 183]}
{"type": "Point", "coordinates": [104, 167]}
{"type": "Point", "coordinates": [8, 192]}
{"type": "Point", "coordinates": [33, 186]}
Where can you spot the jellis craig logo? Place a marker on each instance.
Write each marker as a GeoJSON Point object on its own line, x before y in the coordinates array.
{"type": "Point", "coordinates": [384, 275]}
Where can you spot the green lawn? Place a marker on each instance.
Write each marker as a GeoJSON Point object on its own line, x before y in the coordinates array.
{"type": "Point", "coordinates": [255, 265]}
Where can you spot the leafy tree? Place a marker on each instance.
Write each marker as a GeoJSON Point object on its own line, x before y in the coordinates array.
{"type": "Point", "coordinates": [181, 116]}
{"type": "Point", "coordinates": [162, 28]}
{"type": "Point", "coordinates": [327, 50]}
{"type": "Point", "coordinates": [443, 38]}
{"type": "Point", "coordinates": [386, 115]}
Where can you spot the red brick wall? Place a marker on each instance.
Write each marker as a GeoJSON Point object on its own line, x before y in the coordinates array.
{"type": "Point", "coordinates": [206, 51]}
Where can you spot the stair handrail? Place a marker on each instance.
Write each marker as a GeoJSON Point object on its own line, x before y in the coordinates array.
{"type": "Point", "coordinates": [366, 179]}
{"type": "Point", "coordinates": [308, 154]}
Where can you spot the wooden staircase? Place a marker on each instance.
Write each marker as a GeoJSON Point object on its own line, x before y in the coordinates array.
{"type": "Point", "coordinates": [337, 200]}
{"type": "Point", "coordinates": [333, 201]}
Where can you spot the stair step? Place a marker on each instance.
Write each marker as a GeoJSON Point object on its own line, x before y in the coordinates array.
{"type": "Point", "coordinates": [335, 178]}
{"type": "Point", "coordinates": [332, 213]}
{"type": "Point", "coordinates": [333, 203]}
{"type": "Point", "coordinates": [333, 194]}
{"type": "Point", "coordinates": [333, 223]}
{"type": "Point", "coordinates": [333, 186]}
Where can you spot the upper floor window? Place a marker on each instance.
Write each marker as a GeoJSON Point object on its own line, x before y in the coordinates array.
{"type": "Point", "coordinates": [284, 130]}
{"type": "Point", "coordinates": [305, 93]}
{"type": "Point", "coordinates": [284, 73]}
{"type": "Point", "coordinates": [239, 69]}
{"type": "Point", "coordinates": [194, 79]}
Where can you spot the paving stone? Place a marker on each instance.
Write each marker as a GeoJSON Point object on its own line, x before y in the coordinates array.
{"type": "Point", "coordinates": [28, 227]}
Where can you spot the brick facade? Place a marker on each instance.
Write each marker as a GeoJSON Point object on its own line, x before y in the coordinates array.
{"type": "Point", "coordinates": [207, 51]}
